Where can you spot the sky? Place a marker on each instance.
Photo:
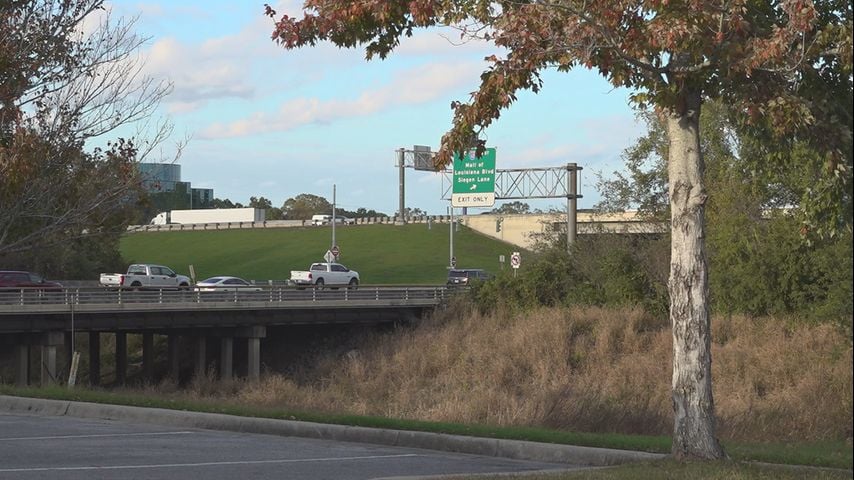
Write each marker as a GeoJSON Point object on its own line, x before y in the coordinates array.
{"type": "Point", "coordinates": [265, 121]}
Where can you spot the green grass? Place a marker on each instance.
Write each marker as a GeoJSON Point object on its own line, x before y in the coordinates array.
{"type": "Point", "coordinates": [382, 254]}
{"type": "Point", "coordinates": [837, 455]}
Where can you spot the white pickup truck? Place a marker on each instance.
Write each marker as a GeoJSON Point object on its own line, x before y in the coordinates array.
{"type": "Point", "coordinates": [141, 276]}
{"type": "Point", "coordinates": [326, 274]}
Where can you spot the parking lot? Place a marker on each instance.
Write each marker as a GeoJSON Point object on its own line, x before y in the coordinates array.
{"type": "Point", "coordinates": [50, 447]}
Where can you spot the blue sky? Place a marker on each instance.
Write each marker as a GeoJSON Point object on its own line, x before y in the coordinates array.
{"type": "Point", "coordinates": [264, 121]}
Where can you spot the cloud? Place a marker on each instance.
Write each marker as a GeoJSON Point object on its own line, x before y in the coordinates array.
{"type": "Point", "coordinates": [415, 86]}
{"type": "Point", "coordinates": [197, 74]}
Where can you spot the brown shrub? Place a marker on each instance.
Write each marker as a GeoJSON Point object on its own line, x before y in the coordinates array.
{"type": "Point", "coordinates": [582, 369]}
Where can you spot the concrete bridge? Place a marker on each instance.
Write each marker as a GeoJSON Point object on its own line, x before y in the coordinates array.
{"type": "Point", "coordinates": [48, 321]}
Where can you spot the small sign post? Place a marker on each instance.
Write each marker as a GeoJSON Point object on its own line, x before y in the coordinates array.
{"type": "Point", "coordinates": [335, 251]}
{"type": "Point", "coordinates": [515, 261]}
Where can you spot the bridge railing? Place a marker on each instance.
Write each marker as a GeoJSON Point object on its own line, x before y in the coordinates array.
{"type": "Point", "coordinates": [263, 294]}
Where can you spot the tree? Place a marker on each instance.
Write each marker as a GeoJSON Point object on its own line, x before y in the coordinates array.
{"type": "Point", "coordinates": [512, 208]}
{"type": "Point", "coordinates": [759, 265]}
{"type": "Point", "coordinates": [225, 203]}
{"type": "Point", "coordinates": [62, 90]}
{"type": "Point", "coordinates": [675, 55]}
{"type": "Point", "coordinates": [304, 205]}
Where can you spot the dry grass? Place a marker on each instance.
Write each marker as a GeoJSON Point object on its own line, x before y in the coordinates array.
{"type": "Point", "coordinates": [581, 369]}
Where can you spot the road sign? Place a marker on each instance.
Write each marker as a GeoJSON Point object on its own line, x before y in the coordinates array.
{"type": "Point", "coordinates": [515, 260]}
{"type": "Point", "coordinates": [335, 251]}
{"type": "Point", "coordinates": [474, 180]}
{"type": "Point", "coordinates": [329, 257]}
{"type": "Point", "coordinates": [453, 262]}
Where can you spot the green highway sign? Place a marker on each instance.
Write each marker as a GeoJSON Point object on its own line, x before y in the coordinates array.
{"type": "Point", "coordinates": [474, 180]}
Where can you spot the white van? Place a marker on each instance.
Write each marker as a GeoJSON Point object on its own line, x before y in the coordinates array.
{"type": "Point", "coordinates": [318, 220]}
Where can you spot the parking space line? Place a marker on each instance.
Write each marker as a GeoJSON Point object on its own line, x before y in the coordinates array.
{"type": "Point", "coordinates": [204, 464]}
{"type": "Point", "coordinates": [99, 435]}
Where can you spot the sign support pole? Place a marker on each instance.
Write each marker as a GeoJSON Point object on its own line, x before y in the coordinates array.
{"type": "Point", "coordinates": [451, 257]}
{"type": "Point", "coordinates": [401, 181]}
{"type": "Point", "coordinates": [571, 204]}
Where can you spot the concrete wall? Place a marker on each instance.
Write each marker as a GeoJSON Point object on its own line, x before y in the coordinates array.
{"type": "Point", "coordinates": [519, 230]}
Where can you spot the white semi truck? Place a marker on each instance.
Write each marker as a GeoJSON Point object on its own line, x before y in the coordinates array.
{"type": "Point", "coordinates": [210, 215]}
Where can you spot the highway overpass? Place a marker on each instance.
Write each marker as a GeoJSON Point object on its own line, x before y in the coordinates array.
{"type": "Point", "coordinates": [30, 319]}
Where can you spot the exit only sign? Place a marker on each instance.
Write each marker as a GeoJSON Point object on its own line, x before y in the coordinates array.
{"type": "Point", "coordinates": [474, 180]}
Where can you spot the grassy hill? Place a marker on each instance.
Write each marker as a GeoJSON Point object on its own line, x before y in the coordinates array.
{"type": "Point", "coordinates": [382, 254]}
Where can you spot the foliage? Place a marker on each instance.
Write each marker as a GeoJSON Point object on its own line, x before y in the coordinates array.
{"type": "Point", "coordinates": [512, 208]}
{"type": "Point", "coordinates": [606, 270]}
{"type": "Point", "coordinates": [304, 205]}
{"type": "Point", "coordinates": [675, 55]}
{"type": "Point", "coordinates": [759, 263]}
{"type": "Point", "coordinates": [61, 88]}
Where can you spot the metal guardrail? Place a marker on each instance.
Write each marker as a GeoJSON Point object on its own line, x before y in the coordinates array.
{"type": "Point", "coordinates": [13, 301]}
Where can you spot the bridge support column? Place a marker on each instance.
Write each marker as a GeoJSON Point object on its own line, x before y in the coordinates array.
{"type": "Point", "coordinates": [94, 359]}
{"type": "Point", "coordinates": [148, 356]}
{"type": "Point", "coordinates": [121, 357]}
{"type": "Point", "coordinates": [253, 365]}
{"type": "Point", "coordinates": [253, 336]}
{"type": "Point", "coordinates": [201, 355]}
{"type": "Point", "coordinates": [174, 358]}
{"type": "Point", "coordinates": [226, 358]}
{"type": "Point", "coordinates": [69, 351]}
{"type": "Point", "coordinates": [22, 365]}
{"type": "Point", "coordinates": [50, 340]}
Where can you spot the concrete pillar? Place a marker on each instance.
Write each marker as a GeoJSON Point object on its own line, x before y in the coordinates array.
{"type": "Point", "coordinates": [48, 363]}
{"type": "Point", "coordinates": [201, 353]}
{"type": "Point", "coordinates": [148, 356]}
{"type": "Point", "coordinates": [253, 336]}
{"type": "Point", "coordinates": [49, 342]}
{"type": "Point", "coordinates": [226, 358]}
{"type": "Point", "coordinates": [174, 358]}
{"type": "Point", "coordinates": [22, 365]}
{"type": "Point", "coordinates": [253, 359]}
{"type": "Point", "coordinates": [69, 350]}
{"type": "Point", "coordinates": [94, 359]}
{"type": "Point", "coordinates": [121, 357]}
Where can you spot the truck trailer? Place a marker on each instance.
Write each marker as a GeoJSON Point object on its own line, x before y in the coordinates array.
{"type": "Point", "coordinates": [210, 215]}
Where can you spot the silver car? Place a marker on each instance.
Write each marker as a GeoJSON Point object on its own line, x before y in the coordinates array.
{"type": "Point", "coordinates": [226, 284]}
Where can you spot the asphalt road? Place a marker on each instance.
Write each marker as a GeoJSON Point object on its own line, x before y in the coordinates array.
{"type": "Point", "coordinates": [68, 448]}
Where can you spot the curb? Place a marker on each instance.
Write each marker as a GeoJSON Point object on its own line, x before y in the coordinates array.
{"type": "Point", "coordinates": [515, 449]}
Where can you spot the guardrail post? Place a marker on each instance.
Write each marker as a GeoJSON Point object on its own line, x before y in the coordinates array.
{"type": "Point", "coordinates": [377, 294]}
{"type": "Point", "coordinates": [406, 294]}
{"type": "Point", "coordinates": [160, 295]}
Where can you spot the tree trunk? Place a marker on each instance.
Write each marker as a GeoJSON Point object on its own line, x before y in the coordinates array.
{"type": "Point", "coordinates": [693, 406]}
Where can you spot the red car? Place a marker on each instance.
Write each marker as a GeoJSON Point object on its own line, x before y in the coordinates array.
{"type": "Point", "coordinates": [12, 279]}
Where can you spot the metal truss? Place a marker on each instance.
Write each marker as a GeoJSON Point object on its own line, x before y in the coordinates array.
{"type": "Point", "coordinates": [522, 183]}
